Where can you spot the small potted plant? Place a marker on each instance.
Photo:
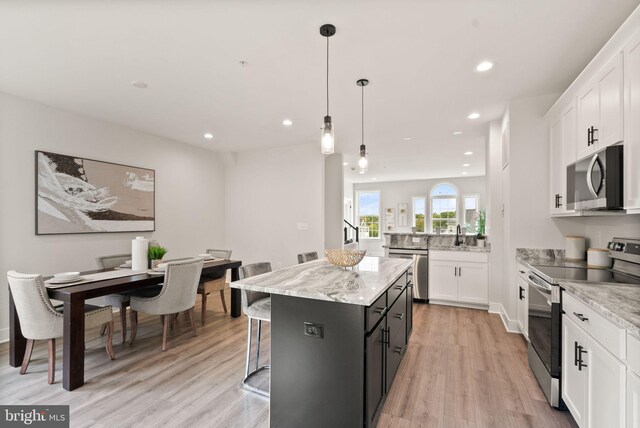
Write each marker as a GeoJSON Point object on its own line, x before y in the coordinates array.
{"type": "Point", "coordinates": [155, 254]}
{"type": "Point", "coordinates": [482, 222]}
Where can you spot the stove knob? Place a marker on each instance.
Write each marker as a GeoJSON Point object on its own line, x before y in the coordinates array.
{"type": "Point", "coordinates": [611, 245]}
{"type": "Point", "coordinates": [620, 247]}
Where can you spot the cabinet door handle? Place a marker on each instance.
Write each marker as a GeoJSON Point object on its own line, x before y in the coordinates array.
{"type": "Point", "coordinates": [589, 136]}
{"type": "Point", "coordinates": [580, 363]}
{"type": "Point", "coordinates": [455, 271]}
{"type": "Point", "coordinates": [398, 287]}
{"type": "Point", "coordinates": [400, 316]}
{"type": "Point", "coordinates": [581, 317]}
{"type": "Point", "coordinates": [459, 270]}
{"type": "Point", "coordinates": [380, 310]}
{"type": "Point", "coordinates": [593, 135]}
{"type": "Point", "coordinates": [522, 272]}
{"type": "Point", "coordinates": [521, 291]}
{"type": "Point", "coordinates": [559, 203]}
{"type": "Point", "coordinates": [575, 353]}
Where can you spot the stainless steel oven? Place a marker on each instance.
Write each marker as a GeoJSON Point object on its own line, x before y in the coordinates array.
{"type": "Point", "coordinates": [545, 313]}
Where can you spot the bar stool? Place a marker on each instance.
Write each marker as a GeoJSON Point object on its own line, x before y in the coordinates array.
{"type": "Point", "coordinates": [307, 257]}
{"type": "Point", "coordinates": [255, 305]}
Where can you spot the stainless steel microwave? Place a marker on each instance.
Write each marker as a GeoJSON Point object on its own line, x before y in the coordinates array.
{"type": "Point", "coordinates": [596, 183]}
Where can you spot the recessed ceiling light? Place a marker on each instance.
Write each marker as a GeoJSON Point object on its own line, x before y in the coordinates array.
{"type": "Point", "coordinates": [208, 136]}
{"type": "Point", "coordinates": [473, 115]}
{"type": "Point", "coordinates": [464, 173]}
{"type": "Point", "coordinates": [345, 163]}
{"type": "Point", "coordinates": [138, 84]}
{"type": "Point", "coordinates": [468, 153]}
{"type": "Point", "coordinates": [373, 178]}
{"type": "Point", "coordinates": [407, 138]}
{"type": "Point", "coordinates": [457, 133]}
{"type": "Point", "coordinates": [484, 66]}
{"type": "Point", "coordinates": [466, 164]}
{"type": "Point", "coordinates": [287, 122]}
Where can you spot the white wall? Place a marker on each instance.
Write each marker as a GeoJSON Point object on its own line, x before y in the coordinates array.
{"type": "Point", "coordinates": [393, 193]}
{"type": "Point", "coordinates": [333, 201]}
{"type": "Point", "coordinates": [189, 190]}
{"type": "Point", "coordinates": [268, 193]}
{"type": "Point", "coordinates": [495, 219]}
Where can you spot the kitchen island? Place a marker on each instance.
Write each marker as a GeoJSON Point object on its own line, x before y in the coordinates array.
{"type": "Point", "coordinates": [337, 339]}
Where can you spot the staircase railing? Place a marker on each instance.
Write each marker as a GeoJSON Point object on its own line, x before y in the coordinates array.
{"type": "Point", "coordinates": [348, 228]}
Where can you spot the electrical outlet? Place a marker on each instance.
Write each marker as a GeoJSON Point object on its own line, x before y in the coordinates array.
{"type": "Point", "coordinates": [303, 226]}
{"type": "Point", "coordinates": [415, 240]}
{"type": "Point", "coordinates": [314, 330]}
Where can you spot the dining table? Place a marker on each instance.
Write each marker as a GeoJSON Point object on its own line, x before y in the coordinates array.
{"type": "Point", "coordinates": [73, 297]}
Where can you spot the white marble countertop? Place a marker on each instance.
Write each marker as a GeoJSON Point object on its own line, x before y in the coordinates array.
{"type": "Point", "coordinates": [469, 248]}
{"type": "Point", "coordinates": [619, 303]}
{"type": "Point", "coordinates": [320, 280]}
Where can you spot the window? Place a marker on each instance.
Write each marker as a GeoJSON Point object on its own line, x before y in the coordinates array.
{"type": "Point", "coordinates": [369, 214]}
{"type": "Point", "coordinates": [444, 211]}
{"type": "Point", "coordinates": [419, 213]}
{"type": "Point", "coordinates": [471, 214]}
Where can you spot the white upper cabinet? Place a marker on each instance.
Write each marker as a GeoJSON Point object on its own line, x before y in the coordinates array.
{"type": "Point", "coordinates": [562, 152]}
{"type": "Point", "coordinates": [600, 110]}
{"type": "Point", "coordinates": [632, 123]}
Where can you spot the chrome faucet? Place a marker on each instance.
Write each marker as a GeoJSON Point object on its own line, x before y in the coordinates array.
{"type": "Point", "coordinates": [458, 237]}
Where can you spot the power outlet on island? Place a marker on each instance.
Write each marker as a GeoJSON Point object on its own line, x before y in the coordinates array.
{"type": "Point", "coordinates": [314, 330]}
{"type": "Point", "coordinates": [303, 226]}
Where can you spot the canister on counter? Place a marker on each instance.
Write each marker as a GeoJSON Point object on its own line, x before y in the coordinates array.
{"type": "Point", "coordinates": [575, 248]}
{"type": "Point", "coordinates": [598, 258]}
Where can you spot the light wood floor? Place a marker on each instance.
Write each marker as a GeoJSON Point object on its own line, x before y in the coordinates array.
{"type": "Point", "coordinates": [461, 369]}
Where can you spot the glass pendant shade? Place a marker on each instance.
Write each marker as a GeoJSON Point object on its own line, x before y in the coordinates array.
{"type": "Point", "coordinates": [327, 138]}
{"type": "Point", "coordinates": [363, 162]}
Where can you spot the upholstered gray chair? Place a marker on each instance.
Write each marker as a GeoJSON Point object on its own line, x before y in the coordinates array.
{"type": "Point", "coordinates": [178, 294]}
{"type": "Point", "coordinates": [214, 282]}
{"type": "Point", "coordinates": [120, 301]}
{"type": "Point", "coordinates": [307, 257]}
{"type": "Point", "coordinates": [255, 305]}
{"type": "Point", "coordinates": [40, 320]}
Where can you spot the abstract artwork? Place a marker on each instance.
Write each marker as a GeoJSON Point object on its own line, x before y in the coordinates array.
{"type": "Point", "coordinates": [77, 195]}
{"type": "Point", "coordinates": [402, 215]}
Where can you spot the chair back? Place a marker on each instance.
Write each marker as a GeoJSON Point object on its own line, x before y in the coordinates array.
{"type": "Point", "coordinates": [248, 296]}
{"type": "Point", "coordinates": [110, 262]}
{"type": "Point", "coordinates": [307, 257]}
{"type": "Point", "coordinates": [38, 317]}
{"type": "Point", "coordinates": [180, 287]}
{"type": "Point", "coordinates": [220, 254]}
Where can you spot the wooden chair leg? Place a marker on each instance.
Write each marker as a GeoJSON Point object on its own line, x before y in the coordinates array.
{"type": "Point", "coordinates": [165, 330]}
{"type": "Point", "coordinates": [133, 315]}
{"type": "Point", "coordinates": [123, 321]}
{"type": "Point", "coordinates": [109, 346]}
{"type": "Point", "coordinates": [103, 329]}
{"type": "Point", "coordinates": [224, 303]}
{"type": "Point", "coordinates": [192, 318]}
{"type": "Point", "coordinates": [52, 360]}
{"type": "Point", "coordinates": [27, 356]}
{"type": "Point", "coordinates": [203, 316]}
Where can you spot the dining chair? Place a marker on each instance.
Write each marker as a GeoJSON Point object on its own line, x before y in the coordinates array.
{"type": "Point", "coordinates": [120, 301]}
{"type": "Point", "coordinates": [214, 282]}
{"type": "Point", "coordinates": [255, 305]}
{"type": "Point", "coordinates": [307, 257]}
{"type": "Point", "coordinates": [178, 294]}
{"type": "Point", "coordinates": [40, 320]}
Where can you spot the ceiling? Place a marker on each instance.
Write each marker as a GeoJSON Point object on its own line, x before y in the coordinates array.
{"type": "Point", "coordinates": [418, 55]}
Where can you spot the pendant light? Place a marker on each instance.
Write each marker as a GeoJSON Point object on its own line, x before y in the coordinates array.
{"type": "Point", "coordinates": [327, 138]}
{"type": "Point", "coordinates": [363, 162]}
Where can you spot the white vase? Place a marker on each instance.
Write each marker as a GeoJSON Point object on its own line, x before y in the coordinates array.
{"type": "Point", "coordinates": [481, 243]}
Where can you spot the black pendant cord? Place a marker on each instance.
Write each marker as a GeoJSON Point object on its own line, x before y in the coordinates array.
{"type": "Point", "coordinates": [363, 115]}
{"type": "Point", "coordinates": [327, 76]}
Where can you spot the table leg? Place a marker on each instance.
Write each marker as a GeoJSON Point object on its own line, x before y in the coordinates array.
{"type": "Point", "coordinates": [17, 342]}
{"type": "Point", "coordinates": [73, 350]}
{"type": "Point", "coordinates": [236, 297]}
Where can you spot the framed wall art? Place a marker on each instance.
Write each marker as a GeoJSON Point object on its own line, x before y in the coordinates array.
{"type": "Point", "coordinates": [78, 195]}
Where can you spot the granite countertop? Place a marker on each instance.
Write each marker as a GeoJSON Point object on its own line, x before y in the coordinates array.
{"type": "Point", "coordinates": [469, 248]}
{"type": "Point", "coordinates": [530, 261]}
{"type": "Point", "coordinates": [320, 280]}
{"type": "Point", "coordinates": [619, 303]}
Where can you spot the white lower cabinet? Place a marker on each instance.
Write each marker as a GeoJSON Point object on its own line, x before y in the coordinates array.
{"type": "Point", "coordinates": [594, 381]}
{"type": "Point", "coordinates": [633, 400]}
{"type": "Point", "coordinates": [458, 277]}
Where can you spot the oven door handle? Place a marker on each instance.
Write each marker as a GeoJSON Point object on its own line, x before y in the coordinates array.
{"type": "Point", "coordinates": [538, 286]}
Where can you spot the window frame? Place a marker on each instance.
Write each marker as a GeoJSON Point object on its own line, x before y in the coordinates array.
{"type": "Point", "coordinates": [464, 209]}
{"type": "Point", "coordinates": [357, 213]}
{"type": "Point", "coordinates": [432, 197]}
{"type": "Point", "coordinates": [413, 212]}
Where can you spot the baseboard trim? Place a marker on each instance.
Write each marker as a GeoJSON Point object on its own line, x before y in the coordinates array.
{"type": "Point", "coordinates": [4, 335]}
{"type": "Point", "coordinates": [510, 325]}
{"type": "Point", "coordinates": [458, 304]}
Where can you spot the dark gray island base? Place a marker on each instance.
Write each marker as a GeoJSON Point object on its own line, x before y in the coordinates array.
{"type": "Point", "coordinates": [333, 362]}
